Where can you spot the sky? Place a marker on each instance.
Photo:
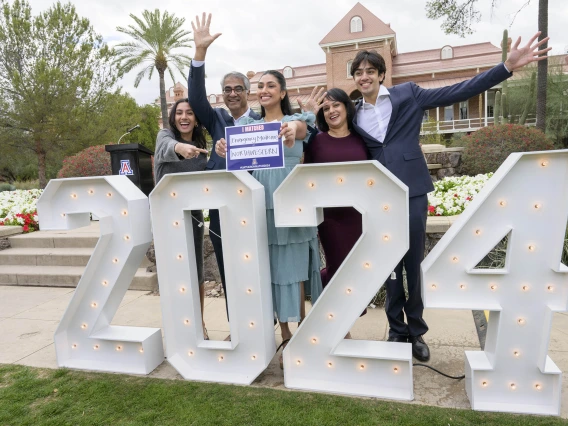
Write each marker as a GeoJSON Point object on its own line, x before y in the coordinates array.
{"type": "Point", "coordinates": [270, 34]}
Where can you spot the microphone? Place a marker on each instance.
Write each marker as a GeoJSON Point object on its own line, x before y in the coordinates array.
{"type": "Point", "coordinates": [134, 128]}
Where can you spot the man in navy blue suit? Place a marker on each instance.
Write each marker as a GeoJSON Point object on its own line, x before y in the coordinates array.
{"type": "Point", "coordinates": [235, 87]}
{"type": "Point", "coordinates": [389, 121]}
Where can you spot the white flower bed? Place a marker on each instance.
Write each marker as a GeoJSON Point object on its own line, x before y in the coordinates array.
{"type": "Point", "coordinates": [19, 208]}
{"type": "Point", "coordinates": [452, 195]}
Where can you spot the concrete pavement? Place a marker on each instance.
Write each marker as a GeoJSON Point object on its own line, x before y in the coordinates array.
{"type": "Point", "coordinates": [29, 317]}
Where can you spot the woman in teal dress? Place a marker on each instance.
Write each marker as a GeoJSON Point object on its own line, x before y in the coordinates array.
{"type": "Point", "coordinates": [294, 252]}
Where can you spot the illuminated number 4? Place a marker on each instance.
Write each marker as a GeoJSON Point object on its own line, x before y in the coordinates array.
{"type": "Point", "coordinates": [526, 199]}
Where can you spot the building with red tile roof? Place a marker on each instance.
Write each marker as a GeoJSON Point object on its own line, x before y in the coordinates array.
{"type": "Point", "coordinates": [438, 67]}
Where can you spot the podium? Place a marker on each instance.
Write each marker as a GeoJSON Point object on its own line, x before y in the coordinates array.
{"type": "Point", "coordinates": [134, 161]}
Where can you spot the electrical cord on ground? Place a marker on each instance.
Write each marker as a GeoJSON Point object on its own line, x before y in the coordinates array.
{"type": "Point", "coordinates": [439, 372]}
{"type": "Point", "coordinates": [201, 224]}
{"type": "Point", "coordinates": [282, 344]}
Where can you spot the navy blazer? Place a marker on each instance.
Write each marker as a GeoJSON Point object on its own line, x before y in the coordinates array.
{"type": "Point", "coordinates": [214, 119]}
{"type": "Point", "coordinates": [400, 152]}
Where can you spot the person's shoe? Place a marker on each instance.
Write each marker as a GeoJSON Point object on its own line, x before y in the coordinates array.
{"type": "Point", "coordinates": [398, 339]}
{"type": "Point", "coordinates": [420, 349]}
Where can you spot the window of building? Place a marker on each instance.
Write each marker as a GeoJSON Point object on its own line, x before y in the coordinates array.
{"type": "Point", "coordinates": [349, 68]}
{"type": "Point", "coordinates": [288, 72]}
{"type": "Point", "coordinates": [426, 116]}
{"type": "Point", "coordinates": [356, 24]}
{"type": "Point", "coordinates": [212, 99]}
{"type": "Point", "coordinates": [490, 103]}
{"type": "Point", "coordinates": [447, 52]}
{"type": "Point", "coordinates": [449, 113]}
{"type": "Point", "coordinates": [464, 113]}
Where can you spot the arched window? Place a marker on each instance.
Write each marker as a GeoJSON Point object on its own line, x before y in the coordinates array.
{"type": "Point", "coordinates": [447, 52]}
{"type": "Point", "coordinates": [288, 72]}
{"type": "Point", "coordinates": [349, 68]}
{"type": "Point", "coordinates": [212, 99]}
{"type": "Point", "coordinates": [356, 24]}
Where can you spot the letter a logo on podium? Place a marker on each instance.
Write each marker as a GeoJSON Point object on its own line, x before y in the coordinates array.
{"type": "Point", "coordinates": [125, 168]}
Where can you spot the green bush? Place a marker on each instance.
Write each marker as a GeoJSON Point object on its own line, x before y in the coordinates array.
{"type": "Point", "coordinates": [6, 187]}
{"type": "Point", "coordinates": [27, 184]}
{"type": "Point", "coordinates": [487, 148]}
{"type": "Point", "coordinates": [93, 161]}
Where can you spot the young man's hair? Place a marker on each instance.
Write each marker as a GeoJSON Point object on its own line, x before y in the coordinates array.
{"type": "Point", "coordinates": [372, 58]}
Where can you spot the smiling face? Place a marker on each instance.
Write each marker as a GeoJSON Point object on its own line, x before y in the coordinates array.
{"type": "Point", "coordinates": [269, 91]}
{"type": "Point", "coordinates": [368, 81]}
{"type": "Point", "coordinates": [335, 114]}
{"type": "Point", "coordinates": [185, 120]}
{"type": "Point", "coordinates": [235, 96]}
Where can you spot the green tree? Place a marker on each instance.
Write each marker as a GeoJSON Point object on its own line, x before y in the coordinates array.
{"type": "Point", "coordinates": [54, 73]}
{"type": "Point", "coordinates": [460, 15]}
{"type": "Point", "coordinates": [155, 36]}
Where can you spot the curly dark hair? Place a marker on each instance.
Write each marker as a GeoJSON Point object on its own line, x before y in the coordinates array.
{"type": "Point", "coordinates": [337, 95]}
{"type": "Point", "coordinates": [198, 134]}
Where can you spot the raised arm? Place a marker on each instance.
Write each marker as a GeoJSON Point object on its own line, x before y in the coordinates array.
{"type": "Point", "coordinates": [196, 81]}
{"type": "Point", "coordinates": [449, 95]}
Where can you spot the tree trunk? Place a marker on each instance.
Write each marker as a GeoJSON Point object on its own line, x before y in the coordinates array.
{"type": "Point", "coordinates": [163, 104]}
{"type": "Point", "coordinates": [542, 68]}
{"type": "Point", "coordinates": [40, 152]}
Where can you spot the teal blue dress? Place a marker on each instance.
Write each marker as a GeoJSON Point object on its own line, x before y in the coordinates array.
{"type": "Point", "coordinates": [294, 252]}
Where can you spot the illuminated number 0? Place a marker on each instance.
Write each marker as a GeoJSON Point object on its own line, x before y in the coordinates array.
{"type": "Point", "coordinates": [84, 339]}
{"type": "Point", "coordinates": [240, 201]}
{"type": "Point", "coordinates": [526, 199]}
{"type": "Point", "coordinates": [318, 357]}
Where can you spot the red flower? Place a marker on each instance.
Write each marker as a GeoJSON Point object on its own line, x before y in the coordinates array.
{"type": "Point", "coordinates": [431, 209]}
{"type": "Point", "coordinates": [26, 228]}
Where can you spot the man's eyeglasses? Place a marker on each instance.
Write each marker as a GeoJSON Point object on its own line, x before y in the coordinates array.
{"type": "Point", "coordinates": [238, 90]}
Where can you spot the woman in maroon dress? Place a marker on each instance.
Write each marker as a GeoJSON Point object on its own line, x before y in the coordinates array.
{"type": "Point", "coordinates": [342, 226]}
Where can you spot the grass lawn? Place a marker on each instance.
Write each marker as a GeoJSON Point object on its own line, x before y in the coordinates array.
{"type": "Point", "coordinates": [32, 396]}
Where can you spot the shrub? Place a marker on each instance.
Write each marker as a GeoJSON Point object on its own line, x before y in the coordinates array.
{"type": "Point", "coordinates": [487, 148]}
{"type": "Point", "coordinates": [27, 184]}
{"type": "Point", "coordinates": [93, 161]}
{"type": "Point", "coordinates": [6, 187]}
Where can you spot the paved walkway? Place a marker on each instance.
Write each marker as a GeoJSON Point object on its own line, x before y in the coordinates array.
{"type": "Point", "coordinates": [29, 317]}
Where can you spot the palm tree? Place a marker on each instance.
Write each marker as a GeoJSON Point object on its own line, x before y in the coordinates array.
{"type": "Point", "coordinates": [155, 37]}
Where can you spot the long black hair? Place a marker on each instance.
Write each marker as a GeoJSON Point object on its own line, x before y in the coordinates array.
{"type": "Point", "coordinates": [198, 134]}
{"type": "Point", "coordinates": [337, 95]}
{"type": "Point", "coordinates": [284, 103]}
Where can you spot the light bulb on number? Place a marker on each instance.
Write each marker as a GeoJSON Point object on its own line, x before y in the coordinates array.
{"type": "Point", "coordinates": [74, 345]}
{"type": "Point", "coordinates": [94, 305]}
{"type": "Point", "coordinates": [186, 322]}
{"type": "Point", "coordinates": [314, 340]}
{"type": "Point", "coordinates": [386, 208]}
{"type": "Point", "coordinates": [298, 362]}
{"type": "Point", "coordinates": [124, 212]}
{"type": "Point", "coordinates": [366, 265]}
{"type": "Point", "coordinates": [362, 367]}
{"type": "Point", "coordinates": [544, 163]}
{"type": "Point", "coordinates": [251, 324]}
{"type": "Point", "coordinates": [118, 348]}
{"type": "Point", "coordinates": [312, 185]}
{"type": "Point", "coordinates": [243, 222]}
{"type": "Point", "coordinates": [370, 182]}
{"type": "Point", "coordinates": [73, 195]}
{"type": "Point", "coordinates": [521, 321]}
{"type": "Point", "coordinates": [240, 191]}
{"type": "Point", "coordinates": [96, 347]}
{"type": "Point", "coordinates": [91, 192]}
{"type": "Point", "coordinates": [205, 189]}
{"type": "Point", "coordinates": [348, 291]}
{"type": "Point", "coordinates": [525, 288]}
{"type": "Point", "coordinates": [463, 286]}
{"type": "Point", "coordinates": [339, 180]}
{"type": "Point", "coordinates": [550, 288]}
{"type": "Point", "coordinates": [253, 357]}
{"type": "Point", "coordinates": [502, 203]}
{"type": "Point", "coordinates": [513, 386]}
{"type": "Point", "coordinates": [538, 386]}
{"type": "Point", "coordinates": [395, 370]}
{"type": "Point", "coordinates": [330, 364]}
{"type": "Point", "coordinates": [176, 223]}
{"type": "Point", "coordinates": [493, 287]}
{"type": "Point", "coordinates": [173, 194]}
{"type": "Point", "coordinates": [221, 358]}
{"type": "Point", "coordinates": [190, 353]}
{"type": "Point", "coordinates": [532, 248]}
{"type": "Point", "coordinates": [386, 237]}
{"type": "Point", "coordinates": [484, 383]}
{"type": "Point", "coordinates": [516, 354]}
{"type": "Point", "coordinates": [182, 290]}
{"type": "Point", "coordinates": [537, 206]}
{"type": "Point", "coordinates": [179, 257]}
{"type": "Point", "coordinates": [109, 194]}
{"type": "Point", "coordinates": [104, 283]}
{"type": "Point", "coordinates": [83, 326]}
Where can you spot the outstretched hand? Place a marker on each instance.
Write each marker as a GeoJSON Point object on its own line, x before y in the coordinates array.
{"type": "Point", "coordinates": [202, 37]}
{"type": "Point", "coordinates": [519, 57]}
{"type": "Point", "coordinates": [314, 102]}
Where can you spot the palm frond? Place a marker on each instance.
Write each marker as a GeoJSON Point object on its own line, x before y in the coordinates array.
{"type": "Point", "coordinates": [142, 73]}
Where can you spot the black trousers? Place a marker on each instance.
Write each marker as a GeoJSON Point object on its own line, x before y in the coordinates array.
{"type": "Point", "coordinates": [215, 226]}
{"type": "Point", "coordinates": [396, 303]}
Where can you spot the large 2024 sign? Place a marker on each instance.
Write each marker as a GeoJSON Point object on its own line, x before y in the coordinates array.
{"type": "Point", "coordinates": [527, 199]}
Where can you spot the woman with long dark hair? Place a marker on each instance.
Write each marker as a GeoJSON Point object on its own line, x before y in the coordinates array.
{"type": "Point", "coordinates": [293, 252]}
{"type": "Point", "coordinates": [180, 149]}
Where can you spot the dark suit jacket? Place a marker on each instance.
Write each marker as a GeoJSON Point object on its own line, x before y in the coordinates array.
{"type": "Point", "coordinates": [400, 151]}
{"type": "Point", "coordinates": [214, 119]}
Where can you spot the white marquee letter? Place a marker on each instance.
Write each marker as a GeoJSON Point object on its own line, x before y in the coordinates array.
{"type": "Point", "coordinates": [527, 199]}
{"type": "Point", "coordinates": [318, 357]}
{"type": "Point", "coordinates": [84, 339]}
{"type": "Point", "coordinates": [240, 200]}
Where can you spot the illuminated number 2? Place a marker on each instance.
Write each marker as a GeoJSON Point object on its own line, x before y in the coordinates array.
{"type": "Point", "coordinates": [318, 357]}
{"type": "Point", "coordinates": [526, 199]}
{"type": "Point", "coordinates": [84, 339]}
{"type": "Point", "coordinates": [240, 201]}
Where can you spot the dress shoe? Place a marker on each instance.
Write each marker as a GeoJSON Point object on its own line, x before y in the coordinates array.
{"type": "Point", "coordinates": [420, 349]}
{"type": "Point", "coordinates": [399, 339]}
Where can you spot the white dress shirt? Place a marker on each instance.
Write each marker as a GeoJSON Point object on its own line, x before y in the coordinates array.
{"type": "Point", "coordinates": [200, 64]}
{"type": "Point", "coordinates": [374, 119]}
